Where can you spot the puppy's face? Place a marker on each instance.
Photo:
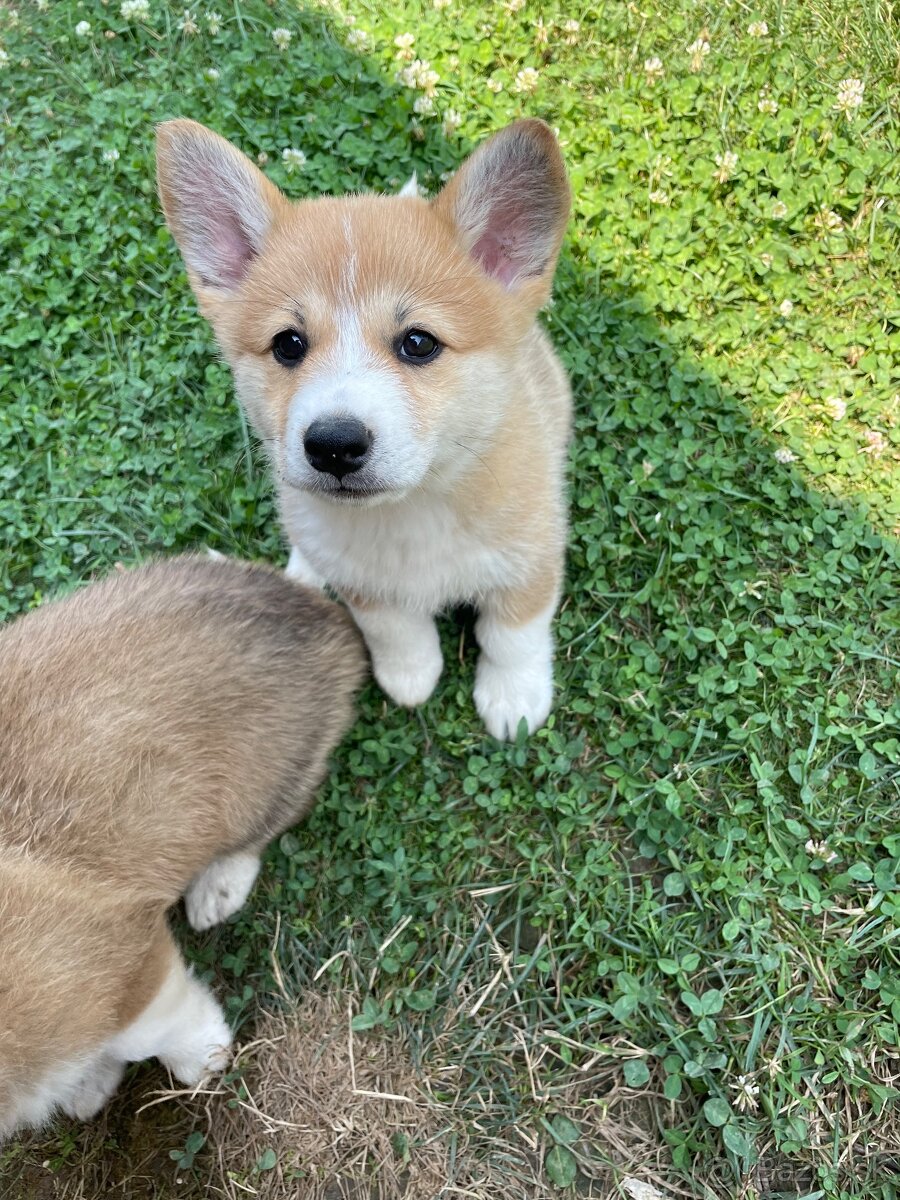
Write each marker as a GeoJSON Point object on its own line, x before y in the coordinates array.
{"type": "Point", "coordinates": [370, 337]}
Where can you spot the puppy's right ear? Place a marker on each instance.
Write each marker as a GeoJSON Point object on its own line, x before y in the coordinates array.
{"type": "Point", "coordinates": [218, 205]}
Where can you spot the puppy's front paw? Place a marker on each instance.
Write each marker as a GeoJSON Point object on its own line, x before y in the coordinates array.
{"type": "Point", "coordinates": [409, 680]}
{"type": "Point", "coordinates": [504, 694]}
{"type": "Point", "coordinates": [221, 889]}
{"type": "Point", "coordinates": [301, 570]}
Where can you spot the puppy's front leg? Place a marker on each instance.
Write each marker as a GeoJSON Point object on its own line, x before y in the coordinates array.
{"type": "Point", "coordinates": [405, 650]}
{"type": "Point", "coordinates": [514, 678]}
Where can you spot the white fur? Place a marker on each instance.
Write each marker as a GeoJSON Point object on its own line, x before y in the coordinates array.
{"type": "Point", "coordinates": [301, 569]}
{"type": "Point", "coordinates": [406, 652]}
{"type": "Point", "coordinates": [514, 678]}
{"type": "Point", "coordinates": [411, 554]}
{"type": "Point", "coordinates": [65, 1087]}
{"type": "Point", "coordinates": [183, 1026]}
{"type": "Point", "coordinates": [221, 889]}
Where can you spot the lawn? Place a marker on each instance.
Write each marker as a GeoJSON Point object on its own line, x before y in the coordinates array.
{"type": "Point", "coordinates": [658, 940]}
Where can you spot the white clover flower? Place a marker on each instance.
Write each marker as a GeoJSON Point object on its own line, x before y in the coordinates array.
{"type": "Point", "coordinates": [110, 156]}
{"type": "Point", "coordinates": [658, 196]}
{"type": "Point", "coordinates": [726, 165]}
{"type": "Point", "coordinates": [83, 29]}
{"type": "Point", "coordinates": [424, 105]}
{"type": "Point", "coordinates": [441, 3]}
{"type": "Point", "coordinates": [653, 68]}
{"type": "Point", "coordinates": [698, 51]}
{"type": "Point", "coordinates": [187, 24]}
{"type": "Point", "coordinates": [571, 29]}
{"type": "Point", "coordinates": [786, 307]}
{"type": "Point", "coordinates": [514, 6]}
{"type": "Point", "coordinates": [357, 37]}
{"type": "Point", "coordinates": [784, 456]}
{"type": "Point", "coordinates": [282, 38]}
{"type": "Point", "coordinates": [661, 167]}
{"type": "Point", "coordinates": [876, 443]}
{"type": "Point", "coordinates": [837, 410]}
{"type": "Point", "coordinates": [292, 158]}
{"type": "Point", "coordinates": [526, 80]}
{"type": "Point", "coordinates": [827, 221]}
{"type": "Point", "coordinates": [262, 158]}
{"type": "Point", "coordinates": [135, 10]}
{"type": "Point", "coordinates": [541, 33]}
{"type": "Point", "coordinates": [766, 261]}
{"type": "Point", "coordinates": [767, 104]}
{"type": "Point", "coordinates": [452, 122]}
{"type": "Point", "coordinates": [758, 29]}
{"type": "Point", "coordinates": [419, 75]}
{"type": "Point", "coordinates": [820, 850]}
{"type": "Point", "coordinates": [4, 59]}
{"type": "Point", "coordinates": [214, 23]}
{"type": "Point", "coordinates": [747, 1091]}
{"type": "Point", "coordinates": [494, 85]}
{"type": "Point", "coordinates": [849, 97]}
{"type": "Point", "coordinates": [779, 210]}
{"type": "Point", "coordinates": [404, 43]}
{"type": "Point", "coordinates": [211, 74]}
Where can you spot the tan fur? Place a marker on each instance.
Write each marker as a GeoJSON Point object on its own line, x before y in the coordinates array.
{"type": "Point", "coordinates": [148, 724]}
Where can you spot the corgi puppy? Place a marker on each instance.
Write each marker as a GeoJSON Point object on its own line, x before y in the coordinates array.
{"type": "Point", "coordinates": [156, 730]}
{"type": "Point", "coordinates": [387, 352]}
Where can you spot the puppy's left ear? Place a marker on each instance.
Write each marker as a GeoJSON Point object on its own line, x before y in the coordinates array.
{"type": "Point", "coordinates": [510, 202]}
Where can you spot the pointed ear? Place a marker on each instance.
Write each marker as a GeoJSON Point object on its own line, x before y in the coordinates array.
{"type": "Point", "coordinates": [510, 203]}
{"type": "Point", "coordinates": [218, 205]}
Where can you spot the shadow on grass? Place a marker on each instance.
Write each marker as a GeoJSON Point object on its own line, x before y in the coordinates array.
{"type": "Point", "coordinates": [727, 672]}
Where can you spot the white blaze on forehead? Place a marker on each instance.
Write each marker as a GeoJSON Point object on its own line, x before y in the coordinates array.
{"type": "Point", "coordinates": [348, 268]}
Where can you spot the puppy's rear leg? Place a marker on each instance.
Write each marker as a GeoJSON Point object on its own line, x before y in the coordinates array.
{"type": "Point", "coordinates": [183, 1026]}
{"type": "Point", "coordinates": [221, 889]}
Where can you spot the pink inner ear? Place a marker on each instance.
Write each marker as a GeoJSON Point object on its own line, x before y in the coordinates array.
{"type": "Point", "coordinates": [510, 247]}
{"type": "Point", "coordinates": [493, 252]}
{"type": "Point", "coordinates": [225, 251]}
{"type": "Point", "coordinates": [231, 250]}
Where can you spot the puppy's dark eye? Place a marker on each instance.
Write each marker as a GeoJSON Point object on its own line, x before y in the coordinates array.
{"type": "Point", "coordinates": [418, 346]}
{"type": "Point", "coordinates": [288, 347]}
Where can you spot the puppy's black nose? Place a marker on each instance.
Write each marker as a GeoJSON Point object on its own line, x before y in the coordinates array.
{"type": "Point", "coordinates": [337, 445]}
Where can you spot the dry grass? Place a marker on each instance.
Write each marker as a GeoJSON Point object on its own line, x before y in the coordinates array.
{"type": "Point", "coordinates": [351, 1116]}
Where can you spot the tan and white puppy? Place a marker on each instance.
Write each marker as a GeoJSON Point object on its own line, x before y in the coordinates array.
{"type": "Point", "coordinates": [387, 352]}
{"type": "Point", "coordinates": [156, 730]}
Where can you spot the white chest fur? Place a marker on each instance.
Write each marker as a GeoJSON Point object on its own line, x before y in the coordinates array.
{"type": "Point", "coordinates": [415, 554]}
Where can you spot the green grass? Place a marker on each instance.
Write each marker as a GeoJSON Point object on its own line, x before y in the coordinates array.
{"type": "Point", "coordinates": [633, 881]}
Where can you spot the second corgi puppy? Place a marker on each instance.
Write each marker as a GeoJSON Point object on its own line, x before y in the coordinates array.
{"type": "Point", "coordinates": [156, 731]}
{"type": "Point", "coordinates": [387, 351]}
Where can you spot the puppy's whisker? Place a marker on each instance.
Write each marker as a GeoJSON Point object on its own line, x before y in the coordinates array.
{"type": "Point", "coordinates": [480, 457]}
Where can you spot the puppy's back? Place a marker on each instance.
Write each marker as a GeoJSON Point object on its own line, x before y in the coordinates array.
{"type": "Point", "coordinates": [148, 721]}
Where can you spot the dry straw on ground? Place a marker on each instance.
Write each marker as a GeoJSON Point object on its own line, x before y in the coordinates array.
{"type": "Point", "coordinates": [352, 1117]}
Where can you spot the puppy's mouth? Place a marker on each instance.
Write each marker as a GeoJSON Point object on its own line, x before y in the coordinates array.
{"type": "Point", "coordinates": [349, 491]}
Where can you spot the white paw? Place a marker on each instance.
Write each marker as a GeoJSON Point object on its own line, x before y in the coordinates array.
{"type": "Point", "coordinates": [301, 570]}
{"type": "Point", "coordinates": [221, 889]}
{"type": "Point", "coordinates": [203, 1045]}
{"type": "Point", "coordinates": [409, 680]}
{"type": "Point", "coordinates": [92, 1091]}
{"type": "Point", "coordinates": [503, 695]}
